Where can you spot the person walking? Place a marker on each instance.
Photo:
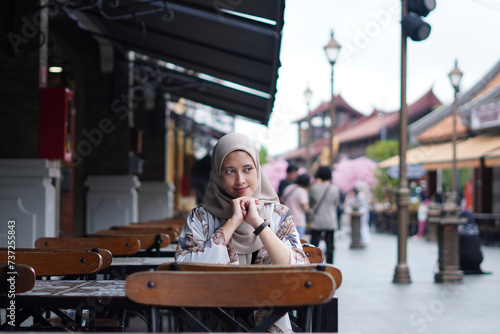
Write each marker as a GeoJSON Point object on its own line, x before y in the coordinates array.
{"type": "Point", "coordinates": [292, 172]}
{"type": "Point", "coordinates": [324, 197]}
{"type": "Point", "coordinates": [295, 197]}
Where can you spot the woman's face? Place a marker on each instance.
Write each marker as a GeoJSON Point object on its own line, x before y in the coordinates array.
{"type": "Point", "coordinates": [239, 174]}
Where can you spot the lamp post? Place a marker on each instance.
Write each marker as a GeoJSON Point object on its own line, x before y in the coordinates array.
{"type": "Point", "coordinates": [447, 226]}
{"type": "Point", "coordinates": [402, 272]}
{"type": "Point", "coordinates": [455, 77]}
{"type": "Point", "coordinates": [332, 50]}
{"type": "Point", "coordinates": [308, 95]}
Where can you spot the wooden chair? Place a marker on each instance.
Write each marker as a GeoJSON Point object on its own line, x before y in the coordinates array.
{"type": "Point", "coordinates": [172, 232]}
{"type": "Point", "coordinates": [125, 245]}
{"type": "Point", "coordinates": [166, 221]}
{"type": "Point", "coordinates": [150, 243]}
{"type": "Point", "coordinates": [24, 281]}
{"type": "Point", "coordinates": [191, 266]}
{"type": "Point", "coordinates": [325, 316]}
{"type": "Point", "coordinates": [58, 262]}
{"type": "Point", "coordinates": [214, 291]}
{"type": "Point", "coordinates": [313, 253]}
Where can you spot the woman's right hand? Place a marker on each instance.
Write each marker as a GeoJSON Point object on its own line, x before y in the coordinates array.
{"type": "Point", "coordinates": [239, 211]}
{"type": "Point", "coordinates": [236, 219]}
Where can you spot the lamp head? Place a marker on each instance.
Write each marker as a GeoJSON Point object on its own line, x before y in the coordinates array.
{"type": "Point", "coordinates": [332, 49]}
{"type": "Point", "coordinates": [455, 76]}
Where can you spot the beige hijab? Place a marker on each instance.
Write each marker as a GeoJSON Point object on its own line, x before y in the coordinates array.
{"type": "Point", "coordinates": [218, 202]}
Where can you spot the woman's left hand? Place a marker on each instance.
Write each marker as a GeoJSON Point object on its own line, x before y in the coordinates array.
{"type": "Point", "coordinates": [249, 207]}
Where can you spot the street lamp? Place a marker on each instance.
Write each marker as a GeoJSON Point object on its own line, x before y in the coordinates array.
{"type": "Point", "coordinates": [332, 50]}
{"type": "Point", "coordinates": [455, 77]}
{"type": "Point", "coordinates": [402, 272]}
{"type": "Point", "coordinates": [308, 95]}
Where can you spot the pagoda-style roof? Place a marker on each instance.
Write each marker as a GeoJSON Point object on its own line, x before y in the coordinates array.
{"type": "Point", "coordinates": [324, 107]}
{"type": "Point", "coordinates": [437, 126]}
{"type": "Point", "coordinates": [372, 125]}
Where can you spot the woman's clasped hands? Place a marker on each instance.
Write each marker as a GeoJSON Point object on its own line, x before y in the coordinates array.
{"type": "Point", "coordinates": [245, 210]}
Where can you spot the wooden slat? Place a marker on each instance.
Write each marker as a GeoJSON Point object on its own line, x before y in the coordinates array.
{"type": "Point", "coordinates": [125, 245]}
{"type": "Point", "coordinates": [146, 240]}
{"type": "Point", "coordinates": [314, 254]}
{"type": "Point", "coordinates": [57, 262]}
{"type": "Point", "coordinates": [230, 289]}
{"type": "Point", "coordinates": [141, 229]}
{"type": "Point", "coordinates": [166, 221]}
{"type": "Point", "coordinates": [202, 267]}
{"type": "Point", "coordinates": [25, 279]}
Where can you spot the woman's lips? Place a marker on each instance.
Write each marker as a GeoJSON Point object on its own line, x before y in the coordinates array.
{"type": "Point", "coordinates": [241, 190]}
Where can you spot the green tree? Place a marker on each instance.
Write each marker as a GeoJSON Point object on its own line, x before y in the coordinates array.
{"type": "Point", "coordinates": [382, 149]}
{"type": "Point", "coordinates": [379, 151]}
{"type": "Point", "coordinates": [263, 155]}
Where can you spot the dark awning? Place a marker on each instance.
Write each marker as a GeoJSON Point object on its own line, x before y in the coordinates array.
{"type": "Point", "coordinates": [236, 42]}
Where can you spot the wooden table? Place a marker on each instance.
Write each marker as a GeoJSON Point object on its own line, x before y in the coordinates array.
{"type": "Point", "coordinates": [58, 295]}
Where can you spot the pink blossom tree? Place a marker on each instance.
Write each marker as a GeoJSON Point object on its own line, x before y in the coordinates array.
{"type": "Point", "coordinates": [275, 171]}
{"type": "Point", "coordinates": [347, 172]}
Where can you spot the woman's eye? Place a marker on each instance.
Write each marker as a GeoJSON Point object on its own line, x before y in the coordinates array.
{"type": "Point", "coordinates": [228, 171]}
{"type": "Point", "coordinates": [248, 169]}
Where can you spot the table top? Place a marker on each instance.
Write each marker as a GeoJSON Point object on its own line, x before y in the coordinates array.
{"type": "Point", "coordinates": [77, 288]}
{"type": "Point", "coordinates": [140, 261]}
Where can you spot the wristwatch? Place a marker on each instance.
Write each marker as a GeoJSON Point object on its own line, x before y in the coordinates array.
{"type": "Point", "coordinates": [261, 227]}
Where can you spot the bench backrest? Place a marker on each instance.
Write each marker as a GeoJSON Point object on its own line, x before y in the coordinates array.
{"type": "Point", "coordinates": [314, 254]}
{"type": "Point", "coordinates": [24, 281]}
{"type": "Point", "coordinates": [116, 245]}
{"type": "Point", "coordinates": [204, 267]}
{"type": "Point", "coordinates": [147, 241]}
{"type": "Point", "coordinates": [145, 229]}
{"type": "Point", "coordinates": [239, 289]}
{"type": "Point", "coordinates": [57, 262]}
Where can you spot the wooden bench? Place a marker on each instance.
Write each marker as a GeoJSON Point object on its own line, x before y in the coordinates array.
{"type": "Point", "coordinates": [150, 243]}
{"type": "Point", "coordinates": [325, 316]}
{"type": "Point", "coordinates": [213, 291]}
{"type": "Point", "coordinates": [125, 245]}
{"type": "Point", "coordinates": [172, 232]}
{"type": "Point", "coordinates": [59, 262]}
{"type": "Point", "coordinates": [313, 253]}
{"type": "Point", "coordinates": [192, 266]}
{"type": "Point", "coordinates": [24, 278]}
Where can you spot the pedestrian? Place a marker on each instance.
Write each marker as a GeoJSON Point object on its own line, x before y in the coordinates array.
{"type": "Point", "coordinates": [295, 196]}
{"type": "Point", "coordinates": [422, 215]}
{"type": "Point", "coordinates": [240, 220]}
{"type": "Point", "coordinates": [471, 255]}
{"type": "Point", "coordinates": [324, 197]}
{"type": "Point", "coordinates": [363, 197]}
{"type": "Point", "coordinates": [292, 172]}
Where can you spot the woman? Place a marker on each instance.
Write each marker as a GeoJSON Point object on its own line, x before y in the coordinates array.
{"type": "Point", "coordinates": [324, 197]}
{"type": "Point", "coordinates": [295, 196]}
{"type": "Point", "coordinates": [240, 220]}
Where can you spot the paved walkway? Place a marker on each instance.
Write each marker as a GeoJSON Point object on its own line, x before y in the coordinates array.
{"type": "Point", "coordinates": [370, 303]}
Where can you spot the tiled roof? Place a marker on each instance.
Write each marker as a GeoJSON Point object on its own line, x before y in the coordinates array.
{"type": "Point", "coordinates": [443, 131]}
{"type": "Point", "coordinates": [340, 103]}
{"type": "Point", "coordinates": [369, 126]}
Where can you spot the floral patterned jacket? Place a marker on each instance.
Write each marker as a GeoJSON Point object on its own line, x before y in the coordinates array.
{"type": "Point", "coordinates": [202, 239]}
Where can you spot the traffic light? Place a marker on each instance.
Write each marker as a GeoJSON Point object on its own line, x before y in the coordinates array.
{"type": "Point", "coordinates": [413, 26]}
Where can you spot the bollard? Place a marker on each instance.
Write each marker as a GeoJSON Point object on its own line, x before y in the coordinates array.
{"type": "Point", "coordinates": [448, 251]}
{"type": "Point", "coordinates": [356, 227]}
{"type": "Point", "coordinates": [431, 228]}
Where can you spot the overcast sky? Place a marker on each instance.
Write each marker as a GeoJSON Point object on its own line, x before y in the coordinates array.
{"type": "Point", "coordinates": [367, 72]}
